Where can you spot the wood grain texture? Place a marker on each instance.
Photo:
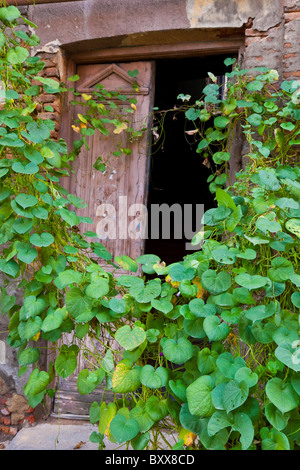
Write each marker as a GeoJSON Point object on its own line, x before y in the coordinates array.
{"type": "Point", "coordinates": [125, 180]}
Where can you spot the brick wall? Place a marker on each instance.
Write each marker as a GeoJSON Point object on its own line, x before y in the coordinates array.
{"type": "Point", "coordinates": [277, 47]}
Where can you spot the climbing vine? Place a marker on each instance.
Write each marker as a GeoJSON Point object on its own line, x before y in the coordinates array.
{"type": "Point", "coordinates": [207, 352]}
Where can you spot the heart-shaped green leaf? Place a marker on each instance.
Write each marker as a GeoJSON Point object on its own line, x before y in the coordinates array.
{"type": "Point", "coordinates": [129, 338]}
{"type": "Point", "coordinates": [206, 361]}
{"type": "Point", "coordinates": [275, 417]}
{"type": "Point", "coordinates": [260, 312]}
{"type": "Point", "coordinates": [251, 282]}
{"type": "Point", "coordinates": [66, 361]}
{"type": "Point", "coordinates": [31, 307]}
{"type": "Point", "coordinates": [26, 200]}
{"type": "Point", "coordinates": [127, 263]}
{"type": "Point", "coordinates": [45, 239]}
{"type": "Point", "coordinates": [22, 226]}
{"type": "Point", "coordinates": [215, 329]}
{"type": "Point", "coordinates": [189, 421]}
{"type": "Point", "coordinates": [26, 169]}
{"type": "Point", "coordinates": [37, 382]}
{"type": "Point", "coordinates": [229, 365]}
{"type": "Point", "coordinates": [146, 293]}
{"type": "Point", "coordinates": [281, 270]}
{"type": "Point", "coordinates": [26, 252]}
{"type": "Point", "coordinates": [154, 378]}
{"type": "Point", "coordinates": [178, 387]}
{"type": "Point", "coordinates": [87, 380]}
{"type": "Point", "coordinates": [29, 355]}
{"type": "Point", "coordinates": [140, 441]}
{"type": "Point", "coordinates": [274, 440]}
{"type": "Point", "coordinates": [11, 267]}
{"type": "Point", "coordinates": [123, 429]}
{"type": "Point", "coordinates": [157, 409]}
{"type": "Point", "coordinates": [126, 379]}
{"type": "Point", "coordinates": [140, 414]}
{"type": "Point", "coordinates": [53, 320]}
{"type": "Point", "coordinates": [282, 394]}
{"type": "Point", "coordinates": [235, 394]}
{"type": "Point", "coordinates": [289, 354]}
{"type": "Point", "coordinates": [200, 309]}
{"type": "Point", "coordinates": [245, 374]}
{"type": "Point", "coordinates": [199, 397]}
{"type": "Point", "coordinates": [179, 351]}
{"type": "Point", "coordinates": [28, 329]}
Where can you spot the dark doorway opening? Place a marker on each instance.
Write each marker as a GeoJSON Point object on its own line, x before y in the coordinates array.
{"type": "Point", "coordinates": [178, 175]}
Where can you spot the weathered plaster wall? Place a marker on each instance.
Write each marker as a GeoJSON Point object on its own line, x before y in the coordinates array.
{"type": "Point", "coordinates": [86, 20]}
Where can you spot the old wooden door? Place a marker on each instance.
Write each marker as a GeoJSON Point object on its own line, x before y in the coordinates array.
{"type": "Point", "coordinates": [123, 185]}
{"type": "Point", "coordinates": [118, 192]}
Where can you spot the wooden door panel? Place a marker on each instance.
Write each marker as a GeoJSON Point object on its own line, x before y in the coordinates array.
{"type": "Point", "coordinates": [126, 175]}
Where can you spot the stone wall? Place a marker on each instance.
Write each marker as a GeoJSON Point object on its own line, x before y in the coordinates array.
{"type": "Point", "coordinates": [14, 410]}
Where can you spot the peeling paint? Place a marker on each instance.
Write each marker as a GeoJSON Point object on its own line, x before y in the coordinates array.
{"type": "Point", "coordinates": [232, 13]}
{"type": "Point", "coordinates": [51, 47]}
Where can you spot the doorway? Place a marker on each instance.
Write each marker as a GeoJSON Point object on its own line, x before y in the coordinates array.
{"type": "Point", "coordinates": [173, 173]}
{"type": "Point", "coordinates": [178, 175]}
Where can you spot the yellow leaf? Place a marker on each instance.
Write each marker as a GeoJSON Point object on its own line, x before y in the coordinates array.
{"type": "Point", "coordinates": [120, 127]}
{"type": "Point", "coordinates": [133, 106]}
{"type": "Point", "coordinates": [170, 281]}
{"type": "Point", "coordinates": [82, 119]}
{"type": "Point", "coordinates": [86, 97]}
{"type": "Point", "coordinates": [200, 288]}
{"type": "Point", "coordinates": [36, 337]}
{"type": "Point", "coordinates": [189, 439]}
{"type": "Point", "coordinates": [75, 128]}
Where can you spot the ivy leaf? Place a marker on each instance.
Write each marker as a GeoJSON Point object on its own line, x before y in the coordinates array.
{"type": "Point", "coordinates": [221, 122]}
{"type": "Point", "coordinates": [66, 361]}
{"type": "Point", "coordinates": [282, 394]}
{"type": "Point", "coordinates": [129, 338]}
{"type": "Point", "coordinates": [37, 382]}
{"type": "Point", "coordinates": [43, 240]}
{"type": "Point", "coordinates": [11, 267]}
{"type": "Point", "coordinates": [26, 252]}
{"type": "Point", "coordinates": [126, 379]}
{"type": "Point", "coordinates": [179, 351]}
{"type": "Point", "coordinates": [29, 356]}
{"type": "Point", "coordinates": [31, 327]}
{"type": "Point", "coordinates": [69, 216]}
{"type": "Point", "coordinates": [215, 283]}
{"type": "Point", "coordinates": [281, 270]}
{"type": "Point", "coordinates": [127, 263]}
{"type": "Point", "coordinates": [199, 397]}
{"type": "Point", "coordinates": [235, 394]}
{"type": "Point", "coordinates": [31, 307]}
{"type": "Point", "coordinates": [215, 329]}
{"type": "Point", "coordinates": [27, 169]}
{"type": "Point", "coordinates": [17, 55]}
{"type": "Point", "coordinates": [251, 282]}
{"type": "Point", "coordinates": [154, 378]}
{"type": "Point", "coordinates": [53, 320]}
{"type": "Point", "coordinates": [26, 200]}
{"type": "Point", "coordinates": [87, 380]}
{"type": "Point", "coordinates": [124, 429]}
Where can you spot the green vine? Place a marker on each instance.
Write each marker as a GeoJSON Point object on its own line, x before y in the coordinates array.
{"type": "Point", "coordinates": [199, 354]}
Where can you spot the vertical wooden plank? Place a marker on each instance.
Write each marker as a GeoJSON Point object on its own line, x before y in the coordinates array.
{"type": "Point", "coordinates": [125, 180]}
